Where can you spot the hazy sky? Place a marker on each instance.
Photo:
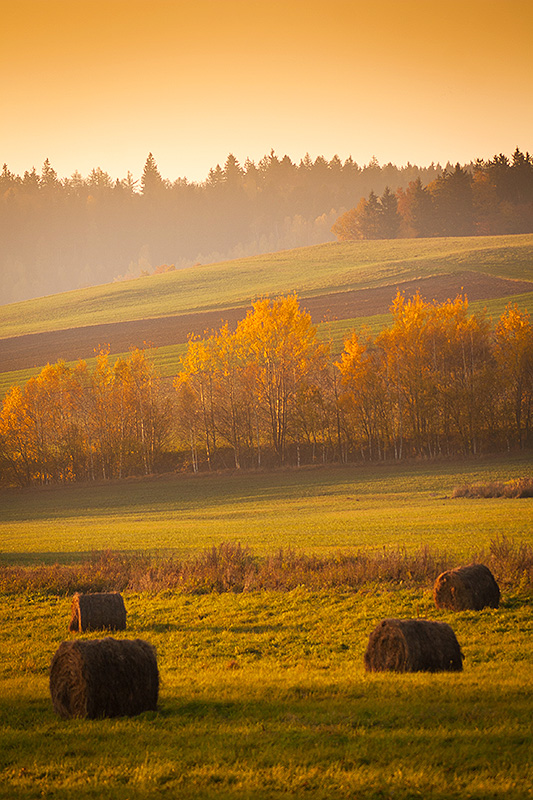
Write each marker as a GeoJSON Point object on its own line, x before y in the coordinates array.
{"type": "Point", "coordinates": [101, 83]}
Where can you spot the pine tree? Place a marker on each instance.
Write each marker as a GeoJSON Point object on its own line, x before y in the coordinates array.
{"type": "Point", "coordinates": [151, 181]}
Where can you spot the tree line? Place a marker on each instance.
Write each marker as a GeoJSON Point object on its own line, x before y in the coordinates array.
{"type": "Point", "coordinates": [439, 381]}
{"type": "Point", "coordinates": [486, 198]}
{"type": "Point", "coordinates": [62, 234]}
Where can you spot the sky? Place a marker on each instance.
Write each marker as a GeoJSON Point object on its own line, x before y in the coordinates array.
{"type": "Point", "coordinates": [101, 83]}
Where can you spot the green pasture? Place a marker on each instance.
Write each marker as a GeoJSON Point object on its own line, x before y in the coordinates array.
{"type": "Point", "coordinates": [319, 510]}
{"type": "Point", "coordinates": [264, 695]}
{"type": "Point", "coordinates": [308, 271]}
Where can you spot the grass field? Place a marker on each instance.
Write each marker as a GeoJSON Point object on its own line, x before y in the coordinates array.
{"type": "Point", "coordinates": [308, 271]}
{"type": "Point", "coordinates": [321, 510]}
{"type": "Point", "coordinates": [263, 694]}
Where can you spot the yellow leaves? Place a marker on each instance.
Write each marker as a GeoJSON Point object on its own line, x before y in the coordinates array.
{"type": "Point", "coordinates": [514, 347]}
{"type": "Point", "coordinates": [66, 417]}
{"type": "Point", "coordinates": [514, 326]}
{"type": "Point", "coordinates": [263, 365]}
{"type": "Point", "coordinates": [432, 371]}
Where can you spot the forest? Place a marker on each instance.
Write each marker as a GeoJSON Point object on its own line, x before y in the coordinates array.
{"type": "Point", "coordinates": [62, 234]}
{"type": "Point", "coordinates": [440, 381]}
{"type": "Point", "coordinates": [493, 197]}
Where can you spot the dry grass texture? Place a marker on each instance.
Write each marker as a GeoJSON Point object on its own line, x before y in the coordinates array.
{"type": "Point", "coordinates": [466, 588]}
{"type": "Point", "coordinates": [230, 567]}
{"type": "Point", "coordinates": [413, 645]}
{"type": "Point", "coordinates": [104, 678]}
{"type": "Point", "coordinates": [98, 611]}
{"type": "Point", "coordinates": [522, 487]}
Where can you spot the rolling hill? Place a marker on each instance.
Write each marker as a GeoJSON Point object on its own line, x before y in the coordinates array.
{"type": "Point", "coordinates": [340, 284]}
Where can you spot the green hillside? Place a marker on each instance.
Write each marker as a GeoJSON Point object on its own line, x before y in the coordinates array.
{"type": "Point", "coordinates": [308, 271]}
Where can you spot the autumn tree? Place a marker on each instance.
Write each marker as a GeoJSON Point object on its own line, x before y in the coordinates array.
{"type": "Point", "coordinates": [363, 396]}
{"type": "Point", "coordinates": [283, 355]}
{"type": "Point", "coordinates": [195, 384]}
{"type": "Point", "coordinates": [514, 357]}
{"type": "Point", "coordinates": [425, 384]}
{"type": "Point", "coordinates": [346, 227]}
{"type": "Point", "coordinates": [69, 423]}
{"type": "Point", "coordinates": [246, 385]}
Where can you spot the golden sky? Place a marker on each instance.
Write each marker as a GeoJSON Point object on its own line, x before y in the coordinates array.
{"type": "Point", "coordinates": [101, 83]}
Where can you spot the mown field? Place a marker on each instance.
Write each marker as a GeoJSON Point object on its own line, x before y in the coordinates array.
{"type": "Point", "coordinates": [264, 693]}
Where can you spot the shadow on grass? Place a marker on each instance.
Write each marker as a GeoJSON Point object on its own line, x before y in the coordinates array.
{"type": "Point", "coordinates": [45, 557]}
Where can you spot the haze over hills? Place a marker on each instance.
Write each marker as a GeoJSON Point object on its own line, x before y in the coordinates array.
{"type": "Point", "coordinates": [59, 235]}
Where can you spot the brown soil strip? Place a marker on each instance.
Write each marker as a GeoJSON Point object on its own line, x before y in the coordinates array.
{"type": "Point", "coordinates": [37, 349]}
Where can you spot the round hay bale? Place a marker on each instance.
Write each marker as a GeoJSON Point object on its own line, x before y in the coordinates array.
{"type": "Point", "coordinates": [98, 611]}
{"type": "Point", "coordinates": [462, 588]}
{"type": "Point", "coordinates": [413, 645]}
{"type": "Point", "coordinates": [104, 678]}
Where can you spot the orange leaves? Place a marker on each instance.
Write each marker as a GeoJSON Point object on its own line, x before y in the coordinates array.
{"type": "Point", "coordinates": [247, 381]}
{"type": "Point", "coordinates": [68, 423]}
{"type": "Point", "coordinates": [431, 373]}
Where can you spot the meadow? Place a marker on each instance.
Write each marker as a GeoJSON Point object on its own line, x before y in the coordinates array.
{"type": "Point", "coordinates": [322, 510]}
{"type": "Point", "coordinates": [263, 693]}
{"type": "Point", "coordinates": [308, 271]}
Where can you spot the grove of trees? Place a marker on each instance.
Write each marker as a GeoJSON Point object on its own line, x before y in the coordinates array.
{"type": "Point", "coordinates": [440, 381]}
{"type": "Point", "coordinates": [488, 197]}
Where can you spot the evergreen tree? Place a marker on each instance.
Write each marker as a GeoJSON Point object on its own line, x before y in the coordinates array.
{"type": "Point", "coordinates": [390, 218]}
{"type": "Point", "coordinates": [151, 181]}
{"type": "Point", "coordinates": [369, 217]}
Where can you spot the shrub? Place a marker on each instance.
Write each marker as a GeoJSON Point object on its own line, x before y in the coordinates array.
{"type": "Point", "coordinates": [521, 487]}
{"type": "Point", "coordinates": [230, 567]}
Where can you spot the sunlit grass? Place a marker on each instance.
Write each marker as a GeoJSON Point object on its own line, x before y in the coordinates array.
{"type": "Point", "coordinates": [308, 271]}
{"type": "Point", "coordinates": [265, 695]}
{"type": "Point", "coordinates": [315, 510]}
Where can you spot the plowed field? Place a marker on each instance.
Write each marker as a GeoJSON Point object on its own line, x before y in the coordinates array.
{"type": "Point", "coordinates": [33, 350]}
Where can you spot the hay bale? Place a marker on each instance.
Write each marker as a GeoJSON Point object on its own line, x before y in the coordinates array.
{"type": "Point", "coordinates": [92, 612]}
{"type": "Point", "coordinates": [472, 587]}
{"type": "Point", "coordinates": [104, 678]}
{"type": "Point", "coordinates": [413, 645]}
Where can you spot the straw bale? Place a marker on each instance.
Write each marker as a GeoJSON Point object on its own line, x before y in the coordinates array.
{"type": "Point", "coordinates": [98, 611]}
{"type": "Point", "coordinates": [413, 645]}
{"type": "Point", "coordinates": [472, 587]}
{"type": "Point", "coordinates": [104, 678]}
